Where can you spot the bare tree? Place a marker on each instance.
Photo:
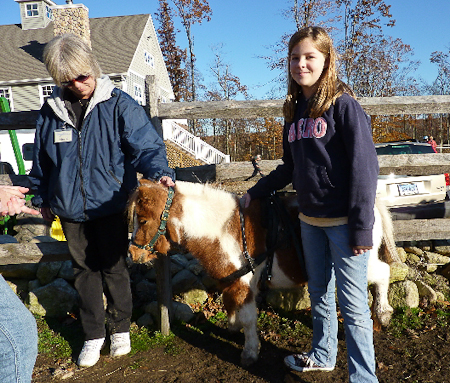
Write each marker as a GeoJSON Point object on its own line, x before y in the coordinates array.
{"type": "Point", "coordinates": [174, 57]}
{"type": "Point", "coordinates": [192, 12]}
{"type": "Point", "coordinates": [227, 87]}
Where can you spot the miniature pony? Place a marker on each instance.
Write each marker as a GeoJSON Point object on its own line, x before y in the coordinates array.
{"type": "Point", "coordinates": [206, 221]}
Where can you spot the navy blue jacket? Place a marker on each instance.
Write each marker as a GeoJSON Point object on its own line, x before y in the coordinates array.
{"type": "Point", "coordinates": [332, 163]}
{"type": "Point", "coordinates": [92, 174]}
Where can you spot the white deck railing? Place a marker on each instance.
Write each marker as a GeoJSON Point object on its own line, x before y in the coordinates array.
{"type": "Point", "coordinates": [192, 144]}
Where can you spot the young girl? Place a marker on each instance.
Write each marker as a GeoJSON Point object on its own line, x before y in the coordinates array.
{"type": "Point", "coordinates": [330, 157]}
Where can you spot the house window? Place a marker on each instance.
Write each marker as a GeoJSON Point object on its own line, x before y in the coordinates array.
{"type": "Point", "coordinates": [6, 92]}
{"type": "Point", "coordinates": [149, 59]}
{"type": "Point", "coordinates": [48, 12]}
{"type": "Point", "coordinates": [138, 94]}
{"type": "Point", "coordinates": [32, 10]}
{"type": "Point", "coordinates": [44, 92]}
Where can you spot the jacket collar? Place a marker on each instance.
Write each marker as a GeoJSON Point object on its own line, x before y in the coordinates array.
{"type": "Point", "coordinates": [102, 92]}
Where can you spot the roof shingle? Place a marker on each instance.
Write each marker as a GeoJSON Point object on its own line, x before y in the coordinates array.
{"type": "Point", "coordinates": [114, 41]}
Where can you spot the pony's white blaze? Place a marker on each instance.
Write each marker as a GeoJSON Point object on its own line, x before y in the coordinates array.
{"type": "Point", "coordinates": [206, 221]}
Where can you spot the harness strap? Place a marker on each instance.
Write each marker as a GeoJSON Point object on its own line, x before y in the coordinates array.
{"type": "Point", "coordinates": [162, 225]}
{"type": "Point", "coordinates": [250, 262]}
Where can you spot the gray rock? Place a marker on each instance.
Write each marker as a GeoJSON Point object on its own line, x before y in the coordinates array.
{"type": "Point", "coordinates": [427, 292]}
{"type": "Point", "coordinates": [289, 299]}
{"type": "Point", "coordinates": [413, 259]}
{"type": "Point", "coordinates": [179, 260]}
{"type": "Point", "coordinates": [23, 270]}
{"type": "Point", "coordinates": [146, 290]}
{"type": "Point", "coordinates": [402, 254]}
{"type": "Point", "coordinates": [195, 267]}
{"type": "Point", "coordinates": [66, 271]}
{"type": "Point", "coordinates": [48, 271]}
{"type": "Point", "coordinates": [151, 274]}
{"type": "Point", "coordinates": [182, 312]}
{"type": "Point", "coordinates": [194, 296]}
{"type": "Point", "coordinates": [399, 271]}
{"type": "Point", "coordinates": [435, 258]}
{"type": "Point", "coordinates": [183, 281]}
{"type": "Point", "coordinates": [145, 320]}
{"type": "Point", "coordinates": [54, 300]}
{"type": "Point", "coordinates": [404, 293]}
{"type": "Point", "coordinates": [414, 250]}
{"type": "Point", "coordinates": [34, 284]}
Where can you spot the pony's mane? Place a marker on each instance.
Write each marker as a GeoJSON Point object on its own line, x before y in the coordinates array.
{"type": "Point", "coordinates": [206, 191]}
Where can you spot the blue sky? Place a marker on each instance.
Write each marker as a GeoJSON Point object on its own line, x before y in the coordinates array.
{"type": "Point", "coordinates": [247, 31]}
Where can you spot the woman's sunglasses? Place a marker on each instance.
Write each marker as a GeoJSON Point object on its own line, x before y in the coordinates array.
{"type": "Point", "coordinates": [80, 78]}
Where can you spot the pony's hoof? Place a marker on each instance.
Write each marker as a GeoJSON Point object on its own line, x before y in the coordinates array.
{"type": "Point", "coordinates": [248, 358]}
{"type": "Point", "coordinates": [385, 316]}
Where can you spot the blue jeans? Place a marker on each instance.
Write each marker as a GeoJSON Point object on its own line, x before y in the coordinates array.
{"type": "Point", "coordinates": [331, 267]}
{"type": "Point", "coordinates": [18, 338]}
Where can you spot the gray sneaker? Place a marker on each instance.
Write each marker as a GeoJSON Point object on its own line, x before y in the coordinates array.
{"type": "Point", "coordinates": [303, 363]}
{"type": "Point", "coordinates": [120, 344]}
{"type": "Point", "coordinates": [90, 353]}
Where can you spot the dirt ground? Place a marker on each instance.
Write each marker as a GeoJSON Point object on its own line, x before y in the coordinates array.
{"type": "Point", "coordinates": [213, 355]}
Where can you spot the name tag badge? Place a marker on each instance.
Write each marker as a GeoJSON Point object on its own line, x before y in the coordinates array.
{"type": "Point", "coordinates": [63, 135]}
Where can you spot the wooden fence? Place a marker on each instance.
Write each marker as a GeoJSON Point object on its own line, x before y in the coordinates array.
{"type": "Point", "coordinates": [413, 229]}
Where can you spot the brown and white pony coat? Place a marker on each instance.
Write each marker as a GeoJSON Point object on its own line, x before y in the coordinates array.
{"type": "Point", "coordinates": [206, 222]}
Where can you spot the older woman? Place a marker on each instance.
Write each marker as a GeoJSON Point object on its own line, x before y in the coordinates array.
{"type": "Point", "coordinates": [91, 139]}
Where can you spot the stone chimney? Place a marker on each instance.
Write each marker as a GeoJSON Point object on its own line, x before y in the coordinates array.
{"type": "Point", "coordinates": [72, 18]}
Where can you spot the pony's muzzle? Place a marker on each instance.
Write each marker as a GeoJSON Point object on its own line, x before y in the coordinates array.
{"type": "Point", "coordinates": [140, 255]}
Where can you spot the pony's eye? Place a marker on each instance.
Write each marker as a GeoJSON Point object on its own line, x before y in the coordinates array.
{"type": "Point", "coordinates": [142, 222]}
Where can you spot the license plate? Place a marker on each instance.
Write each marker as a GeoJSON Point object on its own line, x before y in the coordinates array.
{"type": "Point", "coordinates": [407, 189]}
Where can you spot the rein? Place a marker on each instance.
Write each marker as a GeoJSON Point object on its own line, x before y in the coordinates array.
{"type": "Point", "coordinates": [162, 225]}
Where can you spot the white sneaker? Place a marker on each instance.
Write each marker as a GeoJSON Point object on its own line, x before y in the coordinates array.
{"type": "Point", "coordinates": [120, 344]}
{"type": "Point", "coordinates": [90, 353]}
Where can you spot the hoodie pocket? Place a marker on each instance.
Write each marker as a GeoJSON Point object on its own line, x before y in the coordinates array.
{"type": "Point", "coordinates": [324, 177]}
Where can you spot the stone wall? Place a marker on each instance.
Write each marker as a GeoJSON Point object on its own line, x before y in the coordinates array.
{"type": "Point", "coordinates": [47, 287]}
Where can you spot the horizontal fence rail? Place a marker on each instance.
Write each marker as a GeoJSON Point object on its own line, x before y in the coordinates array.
{"type": "Point", "coordinates": [259, 108]}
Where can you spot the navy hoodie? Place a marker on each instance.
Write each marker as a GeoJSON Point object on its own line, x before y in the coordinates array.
{"type": "Point", "coordinates": [332, 163]}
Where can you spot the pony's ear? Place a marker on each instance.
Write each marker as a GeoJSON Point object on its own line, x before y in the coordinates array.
{"type": "Point", "coordinates": [162, 245]}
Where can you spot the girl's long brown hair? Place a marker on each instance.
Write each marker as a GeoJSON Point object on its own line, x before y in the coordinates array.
{"type": "Point", "coordinates": [330, 87]}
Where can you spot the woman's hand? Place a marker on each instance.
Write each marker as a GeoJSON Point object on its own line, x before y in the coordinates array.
{"type": "Point", "coordinates": [166, 181]}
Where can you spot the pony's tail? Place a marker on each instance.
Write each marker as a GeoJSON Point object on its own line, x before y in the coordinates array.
{"type": "Point", "coordinates": [390, 253]}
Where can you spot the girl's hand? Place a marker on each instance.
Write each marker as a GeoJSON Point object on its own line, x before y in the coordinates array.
{"type": "Point", "coordinates": [245, 200]}
{"type": "Point", "coordinates": [359, 250]}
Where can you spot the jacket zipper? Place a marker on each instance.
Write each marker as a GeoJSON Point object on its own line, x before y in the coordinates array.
{"type": "Point", "coordinates": [115, 178]}
{"type": "Point", "coordinates": [83, 193]}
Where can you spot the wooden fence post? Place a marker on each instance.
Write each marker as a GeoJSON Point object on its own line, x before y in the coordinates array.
{"type": "Point", "coordinates": [162, 264]}
{"type": "Point", "coordinates": [164, 289]}
{"type": "Point", "coordinates": [152, 102]}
